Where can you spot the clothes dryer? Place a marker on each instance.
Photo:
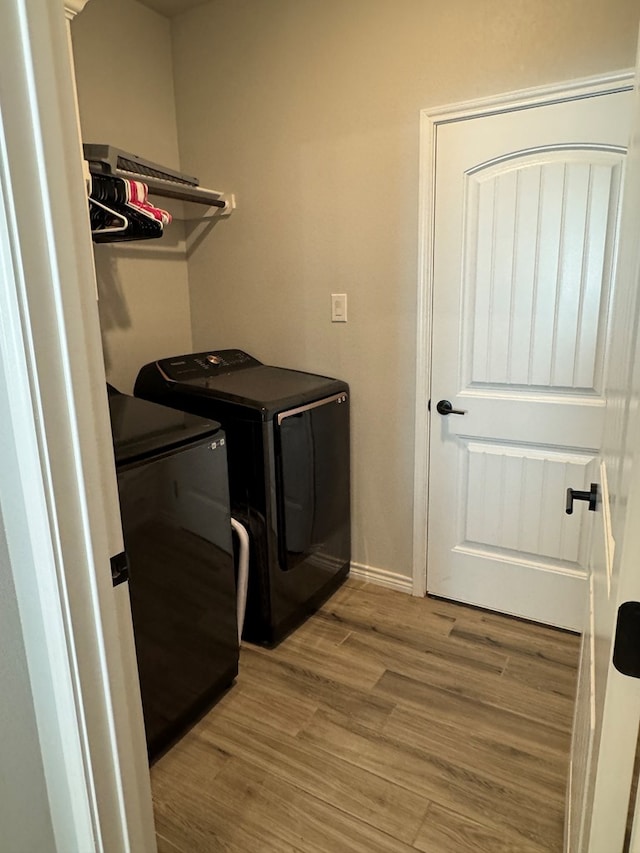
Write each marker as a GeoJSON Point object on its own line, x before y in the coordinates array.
{"type": "Point", "coordinates": [289, 476]}
{"type": "Point", "coordinates": [174, 503]}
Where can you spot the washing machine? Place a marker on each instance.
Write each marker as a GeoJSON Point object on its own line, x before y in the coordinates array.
{"type": "Point", "coordinates": [289, 475]}
{"type": "Point", "coordinates": [174, 503]}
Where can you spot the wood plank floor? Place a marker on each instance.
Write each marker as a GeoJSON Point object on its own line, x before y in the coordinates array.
{"type": "Point", "coordinates": [385, 724]}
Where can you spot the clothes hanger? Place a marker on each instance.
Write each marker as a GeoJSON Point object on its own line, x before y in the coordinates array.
{"type": "Point", "coordinates": [138, 197]}
{"type": "Point", "coordinates": [111, 214]}
{"type": "Point", "coordinates": [110, 193]}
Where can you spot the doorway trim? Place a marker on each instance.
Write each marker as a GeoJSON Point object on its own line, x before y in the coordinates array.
{"type": "Point", "coordinates": [59, 500]}
{"type": "Point", "coordinates": [430, 120]}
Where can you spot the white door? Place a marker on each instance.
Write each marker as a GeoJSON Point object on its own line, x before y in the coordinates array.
{"type": "Point", "coordinates": [525, 222]}
{"type": "Point", "coordinates": [608, 703]}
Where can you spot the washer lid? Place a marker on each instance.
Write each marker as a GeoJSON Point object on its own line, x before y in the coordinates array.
{"type": "Point", "coordinates": [268, 389]}
{"type": "Point", "coordinates": [141, 429]}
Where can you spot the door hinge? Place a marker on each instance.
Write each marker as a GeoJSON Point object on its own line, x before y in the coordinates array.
{"type": "Point", "coordinates": [626, 647]}
{"type": "Point", "coordinates": [119, 568]}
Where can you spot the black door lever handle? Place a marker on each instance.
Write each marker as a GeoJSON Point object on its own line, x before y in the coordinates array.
{"type": "Point", "coordinates": [444, 407]}
{"type": "Point", "coordinates": [575, 495]}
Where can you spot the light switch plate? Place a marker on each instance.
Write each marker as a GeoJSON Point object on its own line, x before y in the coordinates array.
{"type": "Point", "coordinates": [338, 307]}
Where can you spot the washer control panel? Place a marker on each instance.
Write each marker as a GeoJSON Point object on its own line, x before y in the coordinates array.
{"type": "Point", "coordinates": [202, 364]}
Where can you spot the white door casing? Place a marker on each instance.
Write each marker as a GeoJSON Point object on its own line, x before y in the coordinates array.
{"type": "Point", "coordinates": [608, 703]}
{"type": "Point", "coordinates": [524, 199]}
{"type": "Point", "coordinates": [59, 504]}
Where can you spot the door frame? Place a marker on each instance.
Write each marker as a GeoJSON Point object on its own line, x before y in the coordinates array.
{"type": "Point", "coordinates": [58, 492]}
{"type": "Point", "coordinates": [430, 120]}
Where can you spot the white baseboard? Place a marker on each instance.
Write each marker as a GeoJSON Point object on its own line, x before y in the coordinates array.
{"type": "Point", "coordinates": [382, 577]}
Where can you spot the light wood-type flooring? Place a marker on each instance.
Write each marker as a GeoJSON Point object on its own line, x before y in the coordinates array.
{"type": "Point", "coordinates": [385, 724]}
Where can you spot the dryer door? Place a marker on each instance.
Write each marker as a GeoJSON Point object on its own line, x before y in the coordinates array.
{"type": "Point", "coordinates": [312, 453]}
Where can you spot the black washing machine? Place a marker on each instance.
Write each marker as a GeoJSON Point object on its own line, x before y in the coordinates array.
{"type": "Point", "coordinates": [289, 475]}
{"type": "Point", "coordinates": [174, 503]}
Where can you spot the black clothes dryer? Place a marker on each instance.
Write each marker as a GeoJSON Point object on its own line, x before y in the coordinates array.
{"type": "Point", "coordinates": [288, 451]}
{"type": "Point", "coordinates": [174, 502]}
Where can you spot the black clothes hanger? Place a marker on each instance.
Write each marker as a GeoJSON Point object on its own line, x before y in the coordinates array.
{"type": "Point", "coordinates": [112, 218]}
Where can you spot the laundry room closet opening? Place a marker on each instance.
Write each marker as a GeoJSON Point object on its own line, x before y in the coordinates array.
{"type": "Point", "coordinates": [309, 113]}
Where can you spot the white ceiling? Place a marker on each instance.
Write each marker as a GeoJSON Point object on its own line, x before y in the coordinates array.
{"type": "Point", "coordinates": [171, 8]}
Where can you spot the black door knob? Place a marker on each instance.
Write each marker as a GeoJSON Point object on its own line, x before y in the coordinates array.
{"type": "Point", "coordinates": [444, 407]}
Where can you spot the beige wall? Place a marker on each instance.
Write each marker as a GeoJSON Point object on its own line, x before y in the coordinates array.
{"type": "Point", "coordinates": [124, 74]}
{"type": "Point", "coordinates": [308, 110]}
